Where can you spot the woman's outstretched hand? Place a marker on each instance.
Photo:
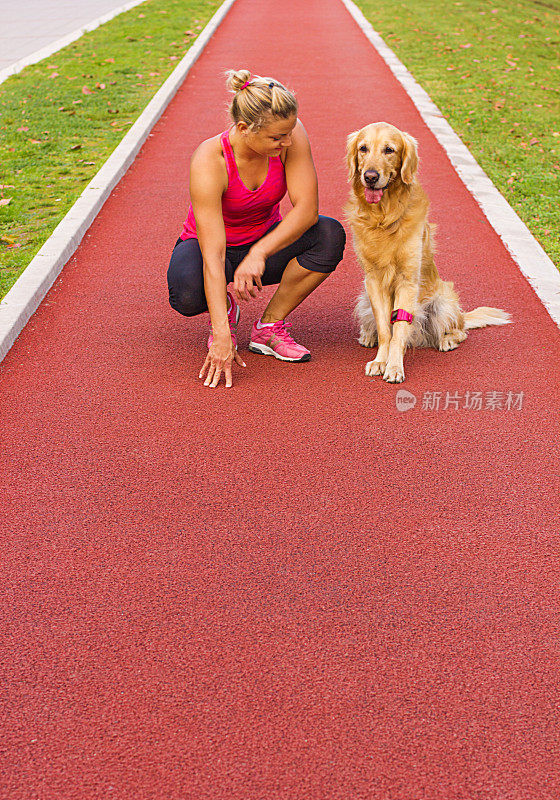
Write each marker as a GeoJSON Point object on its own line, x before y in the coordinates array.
{"type": "Point", "coordinates": [220, 358]}
{"type": "Point", "coordinates": [247, 277]}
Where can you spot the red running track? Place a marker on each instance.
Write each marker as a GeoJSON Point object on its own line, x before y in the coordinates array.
{"type": "Point", "coordinates": [289, 590]}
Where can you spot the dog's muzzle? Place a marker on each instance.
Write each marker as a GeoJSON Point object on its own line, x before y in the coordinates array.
{"type": "Point", "coordinates": [371, 176]}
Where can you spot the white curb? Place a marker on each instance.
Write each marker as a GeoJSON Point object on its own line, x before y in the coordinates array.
{"type": "Point", "coordinates": [31, 287]}
{"type": "Point", "coordinates": [531, 259]}
{"type": "Point", "coordinates": [54, 47]}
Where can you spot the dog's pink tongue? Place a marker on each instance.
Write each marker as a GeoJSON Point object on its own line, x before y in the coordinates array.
{"type": "Point", "coordinates": [373, 195]}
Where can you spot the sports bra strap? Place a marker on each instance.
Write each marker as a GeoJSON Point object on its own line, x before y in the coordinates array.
{"type": "Point", "coordinates": [228, 153]}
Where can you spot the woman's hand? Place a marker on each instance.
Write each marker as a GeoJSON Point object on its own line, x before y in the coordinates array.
{"type": "Point", "coordinates": [220, 358]}
{"type": "Point", "coordinates": [248, 275]}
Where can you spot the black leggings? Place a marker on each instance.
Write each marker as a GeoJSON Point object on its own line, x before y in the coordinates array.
{"type": "Point", "coordinates": [319, 249]}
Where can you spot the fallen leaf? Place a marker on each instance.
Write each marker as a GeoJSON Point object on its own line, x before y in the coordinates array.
{"type": "Point", "coordinates": [76, 147]}
{"type": "Point", "coordinates": [141, 16]}
{"type": "Point", "coordinates": [6, 186]}
{"type": "Point", "coordinates": [113, 124]}
{"type": "Point", "coordinates": [52, 66]}
{"type": "Point", "coordinates": [5, 201]}
{"type": "Point", "coordinates": [533, 141]}
{"type": "Point", "coordinates": [86, 90]}
{"type": "Point", "coordinates": [54, 75]}
{"type": "Point", "coordinates": [7, 240]}
{"type": "Point", "coordinates": [99, 85]}
{"type": "Point", "coordinates": [110, 60]}
{"type": "Point", "coordinates": [22, 129]}
{"type": "Point", "coordinates": [75, 102]}
{"type": "Point", "coordinates": [35, 141]}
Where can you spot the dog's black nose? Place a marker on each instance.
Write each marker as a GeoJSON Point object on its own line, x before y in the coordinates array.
{"type": "Point", "coordinates": [371, 176]}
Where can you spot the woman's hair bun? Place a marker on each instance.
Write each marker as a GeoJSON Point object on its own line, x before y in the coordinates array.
{"type": "Point", "coordinates": [261, 98]}
{"type": "Point", "coordinates": [236, 78]}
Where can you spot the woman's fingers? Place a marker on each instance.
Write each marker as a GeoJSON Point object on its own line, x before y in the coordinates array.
{"type": "Point", "coordinates": [227, 375]}
{"type": "Point", "coordinates": [244, 288]}
{"type": "Point", "coordinates": [217, 366]}
{"type": "Point", "coordinates": [217, 374]}
{"type": "Point", "coordinates": [204, 366]}
{"type": "Point", "coordinates": [210, 375]}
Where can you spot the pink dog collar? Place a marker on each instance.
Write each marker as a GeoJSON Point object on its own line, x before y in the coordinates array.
{"type": "Point", "coordinates": [400, 315]}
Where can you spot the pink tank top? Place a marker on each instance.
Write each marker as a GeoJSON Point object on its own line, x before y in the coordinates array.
{"type": "Point", "coordinates": [247, 214]}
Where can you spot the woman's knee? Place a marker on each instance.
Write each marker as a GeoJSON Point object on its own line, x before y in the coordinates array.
{"type": "Point", "coordinates": [331, 240]}
{"type": "Point", "coordinates": [185, 281]}
{"type": "Point", "coordinates": [186, 302]}
{"type": "Point", "coordinates": [189, 300]}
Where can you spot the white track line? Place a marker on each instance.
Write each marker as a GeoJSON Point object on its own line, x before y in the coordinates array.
{"type": "Point", "coordinates": [54, 47]}
{"type": "Point", "coordinates": [31, 287]}
{"type": "Point", "coordinates": [520, 242]}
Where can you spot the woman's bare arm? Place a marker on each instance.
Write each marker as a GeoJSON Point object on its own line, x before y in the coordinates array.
{"type": "Point", "coordinates": [208, 181]}
{"type": "Point", "coordinates": [301, 179]}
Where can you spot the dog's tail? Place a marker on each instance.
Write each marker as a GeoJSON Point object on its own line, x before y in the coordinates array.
{"type": "Point", "coordinates": [484, 315]}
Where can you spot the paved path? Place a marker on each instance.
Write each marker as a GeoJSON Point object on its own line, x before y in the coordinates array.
{"type": "Point", "coordinates": [30, 25]}
{"type": "Point", "coordinates": [289, 590]}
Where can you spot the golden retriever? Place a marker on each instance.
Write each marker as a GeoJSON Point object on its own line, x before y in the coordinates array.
{"type": "Point", "coordinates": [387, 211]}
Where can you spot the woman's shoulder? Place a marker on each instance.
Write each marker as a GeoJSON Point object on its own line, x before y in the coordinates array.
{"type": "Point", "coordinates": [209, 157]}
{"type": "Point", "coordinates": [299, 138]}
{"type": "Point", "coordinates": [209, 151]}
{"type": "Point", "coordinates": [301, 146]}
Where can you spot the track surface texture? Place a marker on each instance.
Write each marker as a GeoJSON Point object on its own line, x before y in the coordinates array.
{"type": "Point", "coordinates": [289, 590]}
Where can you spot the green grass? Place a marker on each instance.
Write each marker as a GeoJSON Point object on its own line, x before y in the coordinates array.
{"type": "Point", "coordinates": [493, 69]}
{"type": "Point", "coordinates": [61, 119]}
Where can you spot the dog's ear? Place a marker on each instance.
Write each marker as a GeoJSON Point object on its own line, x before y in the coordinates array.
{"type": "Point", "coordinates": [409, 158]}
{"type": "Point", "coordinates": [352, 154]}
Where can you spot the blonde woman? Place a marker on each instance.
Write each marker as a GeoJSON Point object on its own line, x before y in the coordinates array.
{"type": "Point", "coordinates": [234, 231]}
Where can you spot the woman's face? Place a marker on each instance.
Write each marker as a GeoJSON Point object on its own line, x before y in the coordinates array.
{"type": "Point", "coordinates": [274, 136]}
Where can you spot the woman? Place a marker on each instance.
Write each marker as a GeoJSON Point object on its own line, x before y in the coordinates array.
{"type": "Point", "coordinates": [234, 231]}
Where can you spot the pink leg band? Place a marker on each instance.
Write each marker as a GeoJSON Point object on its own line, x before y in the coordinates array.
{"type": "Point", "coordinates": [400, 315]}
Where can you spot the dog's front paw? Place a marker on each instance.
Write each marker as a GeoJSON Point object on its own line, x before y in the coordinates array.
{"type": "Point", "coordinates": [375, 368]}
{"type": "Point", "coordinates": [394, 373]}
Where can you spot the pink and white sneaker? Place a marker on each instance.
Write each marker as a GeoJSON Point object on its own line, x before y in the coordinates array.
{"type": "Point", "coordinates": [274, 340]}
{"type": "Point", "coordinates": [233, 319]}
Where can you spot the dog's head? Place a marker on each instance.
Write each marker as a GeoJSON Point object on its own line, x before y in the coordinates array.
{"type": "Point", "coordinates": [380, 155]}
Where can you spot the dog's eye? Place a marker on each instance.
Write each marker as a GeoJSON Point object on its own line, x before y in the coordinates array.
{"type": "Point", "coordinates": [363, 148]}
{"type": "Point", "coordinates": [389, 149]}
